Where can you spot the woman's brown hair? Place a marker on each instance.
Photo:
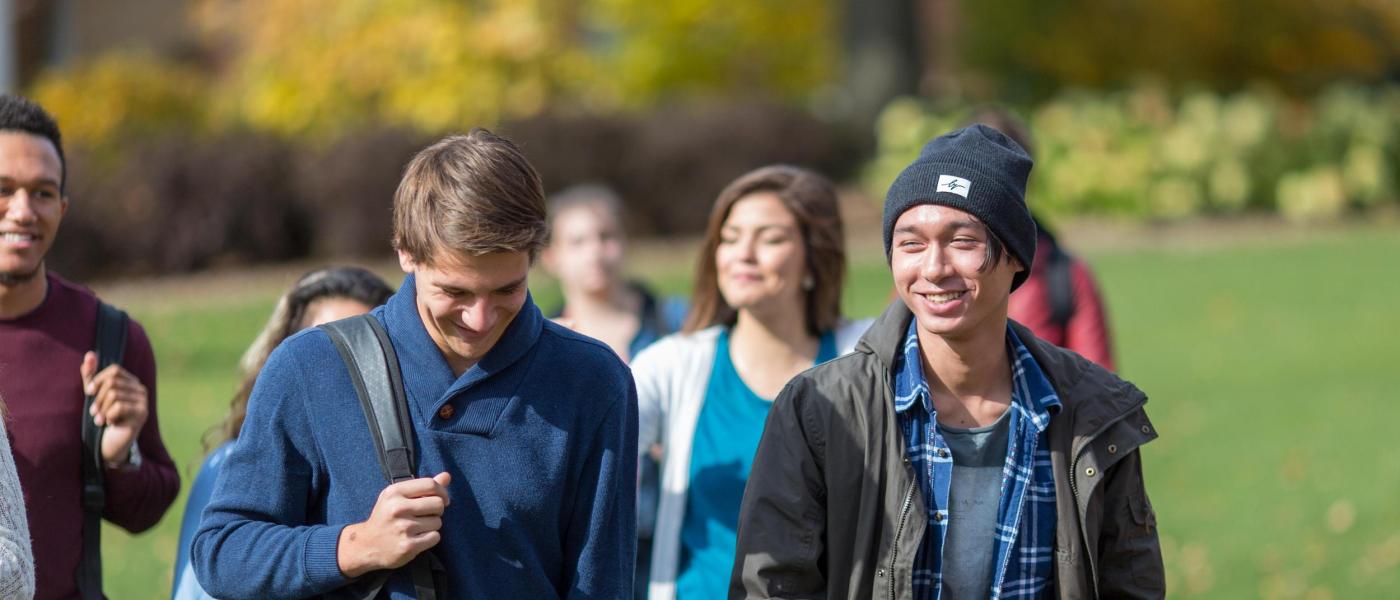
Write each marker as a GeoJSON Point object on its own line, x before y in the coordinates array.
{"type": "Point", "coordinates": [811, 198]}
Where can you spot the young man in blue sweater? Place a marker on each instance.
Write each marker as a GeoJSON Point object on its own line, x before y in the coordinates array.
{"type": "Point", "coordinates": [525, 432]}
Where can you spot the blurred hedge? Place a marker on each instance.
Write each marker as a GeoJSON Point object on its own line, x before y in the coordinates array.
{"type": "Point", "coordinates": [180, 203]}
{"type": "Point", "coordinates": [1146, 153]}
{"type": "Point", "coordinates": [670, 164]}
{"type": "Point", "coordinates": [349, 185]}
{"type": "Point", "coordinates": [1028, 50]}
{"type": "Point", "coordinates": [185, 200]}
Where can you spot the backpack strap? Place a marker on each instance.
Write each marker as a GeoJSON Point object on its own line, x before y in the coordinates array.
{"type": "Point", "coordinates": [1059, 286]}
{"type": "Point", "coordinates": [110, 345]}
{"type": "Point", "coordinates": [374, 370]}
{"type": "Point", "coordinates": [1059, 279]}
{"type": "Point", "coordinates": [650, 315]}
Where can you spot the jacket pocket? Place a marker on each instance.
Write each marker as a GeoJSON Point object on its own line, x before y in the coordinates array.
{"type": "Point", "coordinates": [1144, 517]}
{"type": "Point", "coordinates": [1130, 557]}
{"type": "Point", "coordinates": [1140, 542]}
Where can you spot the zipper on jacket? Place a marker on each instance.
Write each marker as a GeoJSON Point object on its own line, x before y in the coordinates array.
{"type": "Point", "coordinates": [894, 550]}
{"type": "Point", "coordinates": [1084, 538]}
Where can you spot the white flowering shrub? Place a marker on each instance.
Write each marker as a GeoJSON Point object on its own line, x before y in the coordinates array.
{"type": "Point", "coordinates": [1146, 153]}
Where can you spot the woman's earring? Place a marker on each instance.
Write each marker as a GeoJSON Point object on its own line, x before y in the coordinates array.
{"type": "Point", "coordinates": [808, 283]}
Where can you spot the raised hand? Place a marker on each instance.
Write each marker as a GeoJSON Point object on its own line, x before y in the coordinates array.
{"type": "Point", "coordinates": [121, 402]}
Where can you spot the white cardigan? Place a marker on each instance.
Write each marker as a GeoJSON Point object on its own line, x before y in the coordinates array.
{"type": "Point", "coordinates": [672, 376]}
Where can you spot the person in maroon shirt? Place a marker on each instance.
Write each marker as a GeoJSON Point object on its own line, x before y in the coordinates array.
{"type": "Point", "coordinates": [1060, 301]}
{"type": "Point", "coordinates": [47, 331]}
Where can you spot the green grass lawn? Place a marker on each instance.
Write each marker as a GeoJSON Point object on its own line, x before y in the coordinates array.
{"type": "Point", "coordinates": [1270, 365]}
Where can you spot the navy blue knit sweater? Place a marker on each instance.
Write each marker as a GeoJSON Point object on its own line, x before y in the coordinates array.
{"type": "Point", "coordinates": [541, 445]}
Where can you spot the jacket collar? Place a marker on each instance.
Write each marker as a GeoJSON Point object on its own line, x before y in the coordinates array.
{"type": "Point", "coordinates": [884, 337]}
{"type": "Point", "coordinates": [1092, 395]}
{"type": "Point", "coordinates": [427, 376]}
{"type": "Point", "coordinates": [1096, 396]}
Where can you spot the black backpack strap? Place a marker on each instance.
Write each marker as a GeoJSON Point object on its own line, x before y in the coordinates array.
{"type": "Point", "coordinates": [1059, 279]}
{"type": "Point", "coordinates": [110, 345]}
{"type": "Point", "coordinates": [651, 316]}
{"type": "Point", "coordinates": [1059, 286]}
{"type": "Point", "coordinates": [374, 370]}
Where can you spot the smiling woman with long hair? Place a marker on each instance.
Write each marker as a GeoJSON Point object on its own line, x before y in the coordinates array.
{"type": "Point", "coordinates": [766, 306]}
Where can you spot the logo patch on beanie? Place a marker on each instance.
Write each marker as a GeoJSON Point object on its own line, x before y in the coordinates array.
{"type": "Point", "coordinates": [954, 185]}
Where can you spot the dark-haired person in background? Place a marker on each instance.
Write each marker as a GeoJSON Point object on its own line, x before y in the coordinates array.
{"type": "Point", "coordinates": [48, 328]}
{"type": "Point", "coordinates": [1060, 300]}
{"type": "Point", "coordinates": [321, 296]}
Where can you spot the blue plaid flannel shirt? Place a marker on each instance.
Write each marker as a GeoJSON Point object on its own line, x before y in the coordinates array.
{"type": "Point", "coordinates": [1025, 545]}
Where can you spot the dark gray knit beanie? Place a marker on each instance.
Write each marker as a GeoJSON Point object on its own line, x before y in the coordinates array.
{"type": "Point", "coordinates": [978, 170]}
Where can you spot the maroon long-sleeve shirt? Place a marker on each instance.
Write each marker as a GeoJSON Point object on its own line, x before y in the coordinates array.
{"type": "Point", "coordinates": [40, 354]}
{"type": "Point", "coordinates": [1087, 329]}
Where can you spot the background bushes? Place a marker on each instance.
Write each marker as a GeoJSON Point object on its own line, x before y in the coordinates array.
{"type": "Point", "coordinates": [349, 185]}
{"type": "Point", "coordinates": [178, 203]}
{"type": "Point", "coordinates": [1145, 153]}
{"type": "Point", "coordinates": [184, 201]}
{"type": "Point", "coordinates": [670, 164]}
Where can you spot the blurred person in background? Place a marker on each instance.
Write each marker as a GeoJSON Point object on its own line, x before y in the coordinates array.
{"type": "Point", "coordinates": [585, 253]}
{"type": "Point", "coordinates": [953, 454]}
{"type": "Point", "coordinates": [16, 557]}
{"type": "Point", "coordinates": [766, 306]}
{"type": "Point", "coordinates": [48, 327]}
{"type": "Point", "coordinates": [321, 296]}
{"type": "Point", "coordinates": [1060, 301]}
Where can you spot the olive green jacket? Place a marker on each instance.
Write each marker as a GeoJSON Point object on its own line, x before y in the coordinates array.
{"type": "Point", "coordinates": [832, 509]}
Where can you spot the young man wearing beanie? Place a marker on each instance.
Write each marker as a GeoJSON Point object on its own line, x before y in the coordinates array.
{"type": "Point", "coordinates": [953, 454]}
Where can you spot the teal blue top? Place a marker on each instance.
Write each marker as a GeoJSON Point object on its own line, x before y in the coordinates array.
{"type": "Point", "coordinates": [726, 437]}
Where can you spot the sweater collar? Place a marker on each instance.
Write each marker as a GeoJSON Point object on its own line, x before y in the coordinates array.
{"type": "Point", "coordinates": [428, 377]}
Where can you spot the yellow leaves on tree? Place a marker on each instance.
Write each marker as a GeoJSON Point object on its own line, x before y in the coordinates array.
{"type": "Point", "coordinates": [138, 93]}
{"type": "Point", "coordinates": [659, 50]}
{"type": "Point", "coordinates": [320, 66]}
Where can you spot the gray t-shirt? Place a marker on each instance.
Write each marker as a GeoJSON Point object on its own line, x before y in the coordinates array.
{"type": "Point", "coordinates": [979, 456]}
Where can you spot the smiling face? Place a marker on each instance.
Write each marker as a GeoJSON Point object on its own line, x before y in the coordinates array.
{"type": "Point", "coordinates": [760, 259]}
{"type": "Point", "coordinates": [939, 259]}
{"type": "Point", "coordinates": [585, 249]}
{"type": "Point", "coordinates": [466, 302]}
{"type": "Point", "coordinates": [31, 204]}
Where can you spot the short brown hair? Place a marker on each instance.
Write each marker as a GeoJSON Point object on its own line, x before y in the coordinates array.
{"type": "Point", "coordinates": [811, 198]}
{"type": "Point", "coordinates": [473, 194]}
